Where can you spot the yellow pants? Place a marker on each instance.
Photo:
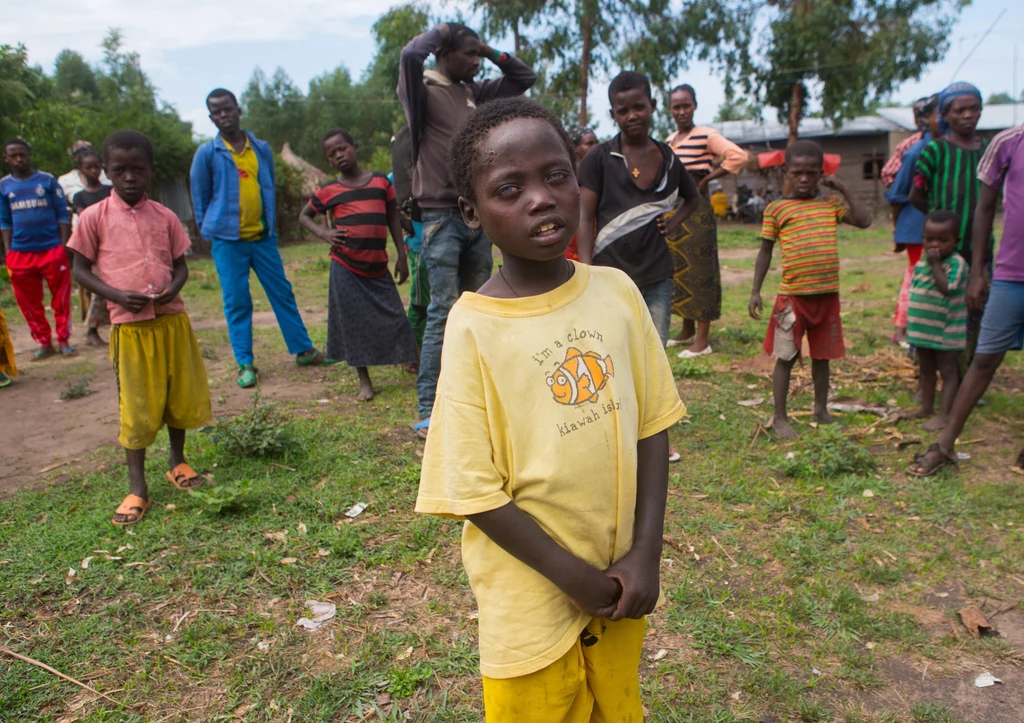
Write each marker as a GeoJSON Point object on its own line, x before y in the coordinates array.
{"type": "Point", "coordinates": [597, 681]}
{"type": "Point", "coordinates": [161, 378]}
{"type": "Point", "coordinates": [7, 365]}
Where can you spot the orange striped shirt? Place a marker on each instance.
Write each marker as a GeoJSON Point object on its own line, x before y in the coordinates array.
{"type": "Point", "coordinates": [805, 229]}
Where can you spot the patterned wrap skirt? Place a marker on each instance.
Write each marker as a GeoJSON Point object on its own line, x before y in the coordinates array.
{"type": "Point", "coordinates": [366, 322]}
{"type": "Point", "coordinates": [698, 280]}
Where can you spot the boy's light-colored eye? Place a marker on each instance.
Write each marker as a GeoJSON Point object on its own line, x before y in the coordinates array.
{"type": "Point", "coordinates": [506, 191]}
{"type": "Point", "coordinates": [558, 176]}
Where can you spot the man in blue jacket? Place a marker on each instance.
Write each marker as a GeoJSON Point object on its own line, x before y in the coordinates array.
{"type": "Point", "coordinates": [233, 196]}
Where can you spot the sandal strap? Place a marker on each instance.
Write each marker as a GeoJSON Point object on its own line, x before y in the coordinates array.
{"type": "Point", "coordinates": [183, 471]}
{"type": "Point", "coordinates": [131, 502]}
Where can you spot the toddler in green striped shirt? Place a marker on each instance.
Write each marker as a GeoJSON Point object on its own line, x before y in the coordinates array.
{"type": "Point", "coordinates": [937, 316]}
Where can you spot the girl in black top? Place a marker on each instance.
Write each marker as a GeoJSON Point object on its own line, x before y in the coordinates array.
{"type": "Point", "coordinates": [90, 167]}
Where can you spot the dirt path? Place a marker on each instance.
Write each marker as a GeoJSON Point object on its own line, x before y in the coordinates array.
{"type": "Point", "coordinates": [41, 433]}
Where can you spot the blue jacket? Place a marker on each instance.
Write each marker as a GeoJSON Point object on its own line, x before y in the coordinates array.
{"type": "Point", "coordinates": [909, 229]}
{"type": "Point", "coordinates": [214, 180]}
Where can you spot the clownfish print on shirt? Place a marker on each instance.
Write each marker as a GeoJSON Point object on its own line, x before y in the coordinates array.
{"type": "Point", "coordinates": [580, 377]}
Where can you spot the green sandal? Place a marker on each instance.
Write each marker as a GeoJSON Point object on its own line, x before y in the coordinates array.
{"type": "Point", "coordinates": [313, 358]}
{"type": "Point", "coordinates": [247, 376]}
{"type": "Point", "coordinates": [5, 381]}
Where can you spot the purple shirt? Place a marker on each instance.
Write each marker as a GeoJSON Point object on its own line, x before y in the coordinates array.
{"type": "Point", "coordinates": [1003, 166]}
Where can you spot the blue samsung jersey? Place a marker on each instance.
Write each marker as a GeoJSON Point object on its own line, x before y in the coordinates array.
{"type": "Point", "coordinates": [32, 208]}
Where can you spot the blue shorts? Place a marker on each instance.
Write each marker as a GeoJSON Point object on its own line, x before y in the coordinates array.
{"type": "Point", "coordinates": [1002, 326]}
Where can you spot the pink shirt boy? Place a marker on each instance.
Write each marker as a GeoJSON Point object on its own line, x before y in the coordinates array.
{"type": "Point", "coordinates": [132, 248]}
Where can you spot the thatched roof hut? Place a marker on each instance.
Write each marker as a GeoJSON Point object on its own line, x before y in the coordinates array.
{"type": "Point", "coordinates": [312, 177]}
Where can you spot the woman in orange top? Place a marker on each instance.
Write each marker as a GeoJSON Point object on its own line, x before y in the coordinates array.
{"type": "Point", "coordinates": [698, 283]}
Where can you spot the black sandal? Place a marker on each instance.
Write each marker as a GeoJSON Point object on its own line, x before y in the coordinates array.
{"type": "Point", "coordinates": [945, 460]}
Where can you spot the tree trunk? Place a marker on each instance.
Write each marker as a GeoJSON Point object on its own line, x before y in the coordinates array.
{"type": "Point", "coordinates": [586, 33]}
{"type": "Point", "coordinates": [796, 108]}
{"type": "Point", "coordinates": [518, 38]}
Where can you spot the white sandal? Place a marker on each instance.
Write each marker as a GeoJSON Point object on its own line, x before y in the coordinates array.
{"type": "Point", "coordinates": [687, 354]}
{"type": "Point", "coordinates": [680, 342]}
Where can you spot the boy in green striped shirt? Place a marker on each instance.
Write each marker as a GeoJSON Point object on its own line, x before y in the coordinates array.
{"type": "Point", "coordinates": [937, 315]}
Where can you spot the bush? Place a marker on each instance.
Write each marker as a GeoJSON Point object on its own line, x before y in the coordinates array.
{"type": "Point", "coordinates": [827, 454]}
{"type": "Point", "coordinates": [76, 389]}
{"type": "Point", "coordinates": [224, 497]}
{"type": "Point", "coordinates": [263, 430]}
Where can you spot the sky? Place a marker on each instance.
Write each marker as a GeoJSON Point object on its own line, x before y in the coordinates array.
{"type": "Point", "coordinates": [189, 47]}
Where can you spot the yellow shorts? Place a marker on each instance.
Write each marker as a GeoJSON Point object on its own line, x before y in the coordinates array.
{"type": "Point", "coordinates": [161, 378]}
{"type": "Point", "coordinates": [597, 681]}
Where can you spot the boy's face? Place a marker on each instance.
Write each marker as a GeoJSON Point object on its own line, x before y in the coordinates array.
{"type": "Point", "coordinates": [583, 147]}
{"type": "Point", "coordinates": [682, 106]}
{"type": "Point", "coordinates": [91, 168]}
{"type": "Point", "coordinates": [463, 63]}
{"type": "Point", "coordinates": [18, 157]}
{"type": "Point", "coordinates": [527, 197]}
{"type": "Point", "coordinates": [130, 172]}
{"type": "Point", "coordinates": [632, 111]}
{"type": "Point", "coordinates": [804, 173]}
{"type": "Point", "coordinates": [225, 114]}
{"type": "Point", "coordinates": [340, 153]}
{"type": "Point", "coordinates": [939, 239]}
{"type": "Point", "coordinates": [963, 114]}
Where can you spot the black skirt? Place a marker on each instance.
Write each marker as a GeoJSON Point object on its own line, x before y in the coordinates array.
{"type": "Point", "coordinates": [366, 322]}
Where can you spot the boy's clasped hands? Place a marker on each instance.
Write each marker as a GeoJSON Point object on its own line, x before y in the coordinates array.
{"type": "Point", "coordinates": [628, 589]}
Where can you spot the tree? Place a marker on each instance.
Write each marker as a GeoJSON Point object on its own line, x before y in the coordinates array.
{"type": "Point", "coordinates": [733, 109]}
{"type": "Point", "coordinates": [392, 31]}
{"type": "Point", "coordinates": [999, 98]}
{"type": "Point", "coordinates": [574, 40]}
{"type": "Point", "coordinates": [845, 54]}
{"type": "Point", "coordinates": [81, 101]}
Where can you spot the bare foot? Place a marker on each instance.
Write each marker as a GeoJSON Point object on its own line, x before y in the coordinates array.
{"type": "Point", "coordinates": [783, 428]}
{"type": "Point", "coordinates": [365, 392]}
{"type": "Point", "coordinates": [822, 416]}
{"type": "Point", "coordinates": [93, 338]}
{"type": "Point", "coordinates": [1020, 460]}
{"type": "Point", "coordinates": [919, 414]}
{"type": "Point", "coordinates": [936, 423]}
{"type": "Point", "coordinates": [411, 368]}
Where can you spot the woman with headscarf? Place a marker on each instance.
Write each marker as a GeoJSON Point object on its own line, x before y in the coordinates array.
{"type": "Point", "coordinates": [698, 282]}
{"type": "Point", "coordinates": [946, 174]}
{"type": "Point", "coordinates": [583, 139]}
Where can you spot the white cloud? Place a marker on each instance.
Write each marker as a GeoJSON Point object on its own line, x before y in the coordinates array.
{"type": "Point", "coordinates": [153, 26]}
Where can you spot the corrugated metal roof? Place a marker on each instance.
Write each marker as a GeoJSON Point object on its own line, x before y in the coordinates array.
{"type": "Point", "coordinates": [887, 120]}
{"type": "Point", "coordinates": [993, 117]}
{"type": "Point", "coordinates": [755, 132]}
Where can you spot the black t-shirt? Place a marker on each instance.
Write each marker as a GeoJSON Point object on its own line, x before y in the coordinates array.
{"type": "Point", "coordinates": [85, 198]}
{"type": "Point", "coordinates": [627, 232]}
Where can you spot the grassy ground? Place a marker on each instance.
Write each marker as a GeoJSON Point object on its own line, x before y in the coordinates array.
{"type": "Point", "coordinates": [810, 581]}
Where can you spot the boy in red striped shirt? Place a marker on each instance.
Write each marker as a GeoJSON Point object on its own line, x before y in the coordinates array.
{"type": "Point", "coordinates": [804, 225]}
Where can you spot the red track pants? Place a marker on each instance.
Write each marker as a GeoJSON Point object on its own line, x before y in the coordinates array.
{"type": "Point", "coordinates": [28, 270]}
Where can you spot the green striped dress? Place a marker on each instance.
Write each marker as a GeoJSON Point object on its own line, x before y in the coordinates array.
{"type": "Point", "coordinates": [935, 321]}
{"type": "Point", "coordinates": [950, 176]}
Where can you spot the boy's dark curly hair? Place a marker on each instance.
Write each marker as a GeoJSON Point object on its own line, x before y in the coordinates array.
{"type": "Point", "coordinates": [457, 34]}
{"type": "Point", "coordinates": [462, 153]}
{"type": "Point", "coordinates": [945, 216]}
{"type": "Point", "coordinates": [128, 140]}
{"type": "Point", "coordinates": [805, 149]}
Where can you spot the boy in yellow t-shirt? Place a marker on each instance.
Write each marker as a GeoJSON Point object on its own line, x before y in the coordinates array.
{"type": "Point", "coordinates": [549, 437]}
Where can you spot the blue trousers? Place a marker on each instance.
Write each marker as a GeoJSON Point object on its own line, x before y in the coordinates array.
{"type": "Point", "coordinates": [457, 260]}
{"type": "Point", "coordinates": [234, 260]}
{"type": "Point", "coordinates": [659, 302]}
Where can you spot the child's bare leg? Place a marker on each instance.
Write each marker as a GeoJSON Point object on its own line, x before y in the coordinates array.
{"type": "Point", "coordinates": [820, 374]}
{"type": "Point", "coordinates": [365, 385]}
{"type": "Point", "coordinates": [946, 362]}
{"type": "Point", "coordinates": [780, 390]}
{"type": "Point", "coordinates": [136, 479]}
{"type": "Point", "coordinates": [926, 361]}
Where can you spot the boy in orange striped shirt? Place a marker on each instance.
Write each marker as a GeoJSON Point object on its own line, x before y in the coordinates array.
{"type": "Point", "coordinates": [804, 225]}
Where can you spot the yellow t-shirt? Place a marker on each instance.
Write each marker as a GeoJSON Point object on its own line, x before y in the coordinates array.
{"type": "Point", "coordinates": [542, 401]}
{"type": "Point", "coordinates": [250, 203]}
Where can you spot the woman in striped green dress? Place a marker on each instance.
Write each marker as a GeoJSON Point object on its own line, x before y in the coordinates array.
{"type": "Point", "coordinates": [946, 177]}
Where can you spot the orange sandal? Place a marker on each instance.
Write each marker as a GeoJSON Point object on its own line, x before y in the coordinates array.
{"type": "Point", "coordinates": [181, 477]}
{"type": "Point", "coordinates": [132, 505]}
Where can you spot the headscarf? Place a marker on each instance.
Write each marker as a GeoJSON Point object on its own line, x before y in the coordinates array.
{"type": "Point", "coordinates": [951, 93]}
{"type": "Point", "coordinates": [577, 133]}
